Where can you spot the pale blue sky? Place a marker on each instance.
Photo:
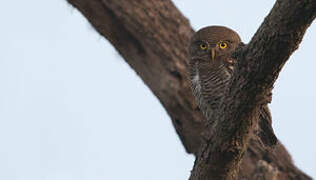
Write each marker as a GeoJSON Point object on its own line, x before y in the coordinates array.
{"type": "Point", "coordinates": [72, 109]}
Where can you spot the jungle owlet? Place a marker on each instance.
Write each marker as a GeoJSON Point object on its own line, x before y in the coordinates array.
{"type": "Point", "coordinates": [211, 67]}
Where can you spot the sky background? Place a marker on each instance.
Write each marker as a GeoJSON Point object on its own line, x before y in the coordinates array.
{"type": "Point", "coordinates": [72, 109]}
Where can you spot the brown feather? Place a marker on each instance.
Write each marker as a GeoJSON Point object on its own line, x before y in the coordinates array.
{"type": "Point", "coordinates": [210, 79]}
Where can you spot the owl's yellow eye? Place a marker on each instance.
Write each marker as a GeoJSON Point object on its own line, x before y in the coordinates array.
{"type": "Point", "coordinates": [222, 45]}
{"type": "Point", "coordinates": [203, 46]}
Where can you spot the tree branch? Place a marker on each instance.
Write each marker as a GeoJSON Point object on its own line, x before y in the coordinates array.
{"type": "Point", "coordinates": [143, 32]}
{"type": "Point", "coordinates": [259, 64]}
{"type": "Point", "coordinates": [152, 36]}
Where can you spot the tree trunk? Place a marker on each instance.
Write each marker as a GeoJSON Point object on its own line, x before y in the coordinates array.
{"type": "Point", "coordinates": [152, 36]}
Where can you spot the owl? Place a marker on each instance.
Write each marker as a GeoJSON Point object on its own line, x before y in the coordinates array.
{"type": "Point", "coordinates": [211, 67]}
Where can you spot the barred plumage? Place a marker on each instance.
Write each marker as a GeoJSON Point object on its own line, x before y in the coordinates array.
{"type": "Point", "coordinates": [211, 67]}
{"type": "Point", "coordinates": [208, 87]}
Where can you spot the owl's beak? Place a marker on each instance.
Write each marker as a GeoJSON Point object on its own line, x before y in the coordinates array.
{"type": "Point", "coordinates": [213, 55]}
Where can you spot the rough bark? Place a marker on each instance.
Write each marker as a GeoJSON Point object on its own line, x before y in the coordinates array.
{"type": "Point", "coordinates": [152, 36]}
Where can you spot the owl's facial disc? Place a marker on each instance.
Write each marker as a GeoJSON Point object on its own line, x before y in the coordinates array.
{"type": "Point", "coordinates": [210, 50]}
{"type": "Point", "coordinates": [213, 44]}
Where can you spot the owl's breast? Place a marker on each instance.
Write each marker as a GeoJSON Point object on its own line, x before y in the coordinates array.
{"type": "Point", "coordinates": [208, 86]}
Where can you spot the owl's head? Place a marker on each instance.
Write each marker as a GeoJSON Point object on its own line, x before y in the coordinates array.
{"type": "Point", "coordinates": [213, 44]}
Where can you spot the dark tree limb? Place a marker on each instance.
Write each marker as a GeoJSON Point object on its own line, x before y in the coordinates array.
{"type": "Point", "coordinates": [259, 64]}
{"type": "Point", "coordinates": [152, 36]}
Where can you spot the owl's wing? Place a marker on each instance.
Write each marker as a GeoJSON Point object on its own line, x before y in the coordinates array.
{"type": "Point", "coordinates": [266, 132]}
